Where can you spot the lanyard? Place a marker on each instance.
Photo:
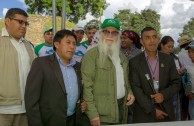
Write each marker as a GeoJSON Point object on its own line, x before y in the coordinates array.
{"type": "Point", "coordinates": [152, 70]}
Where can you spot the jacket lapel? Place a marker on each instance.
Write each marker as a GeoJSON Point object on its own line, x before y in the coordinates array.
{"type": "Point", "coordinates": [57, 70]}
{"type": "Point", "coordinates": [161, 70]}
{"type": "Point", "coordinates": [145, 68]}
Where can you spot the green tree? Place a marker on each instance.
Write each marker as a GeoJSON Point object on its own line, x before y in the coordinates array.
{"type": "Point", "coordinates": [137, 21]}
{"type": "Point", "coordinates": [188, 28]}
{"type": "Point", "coordinates": [92, 22]}
{"type": "Point", "coordinates": [124, 17]}
{"type": "Point", "coordinates": [76, 9]}
{"type": "Point", "coordinates": [151, 19]}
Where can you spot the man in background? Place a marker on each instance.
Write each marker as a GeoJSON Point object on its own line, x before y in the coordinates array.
{"type": "Point", "coordinates": [190, 70]}
{"type": "Point", "coordinates": [90, 31]}
{"type": "Point", "coordinates": [80, 48]}
{"type": "Point", "coordinates": [46, 48]}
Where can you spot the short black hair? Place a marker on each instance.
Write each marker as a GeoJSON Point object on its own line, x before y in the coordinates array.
{"type": "Point", "coordinates": [164, 41]}
{"type": "Point", "coordinates": [147, 29]}
{"type": "Point", "coordinates": [13, 11]}
{"type": "Point", "coordinates": [61, 34]}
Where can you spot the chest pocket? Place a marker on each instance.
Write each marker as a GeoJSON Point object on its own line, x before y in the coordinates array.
{"type": "Point", "coordinates": [104, 70]}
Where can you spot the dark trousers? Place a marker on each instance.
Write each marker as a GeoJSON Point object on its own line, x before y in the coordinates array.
{"type": "Point", "coordinates": [71, 120]}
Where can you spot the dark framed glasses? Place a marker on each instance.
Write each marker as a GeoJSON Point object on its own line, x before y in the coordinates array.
{"type": "Point", "coordinates": [21, 22]}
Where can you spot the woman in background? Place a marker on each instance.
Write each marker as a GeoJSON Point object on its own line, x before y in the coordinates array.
{"type": "Point", "coordinates": [130, 44]}
{"type": "Point", "coordinates": [166, 45]}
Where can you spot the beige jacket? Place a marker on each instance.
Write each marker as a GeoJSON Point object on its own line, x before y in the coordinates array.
{"type": "Point", "coordinates": [9, 72]}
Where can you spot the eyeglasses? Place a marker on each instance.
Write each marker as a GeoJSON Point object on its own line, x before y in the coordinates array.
{"type": "Point", "coordinates": [113, 33]}
{"type": "Point", "coordinates": [21, 22]}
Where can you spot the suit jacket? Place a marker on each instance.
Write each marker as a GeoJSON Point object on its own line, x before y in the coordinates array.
{"type": "Point", "coordinates": [45, 94]}
{"type": "Point", "coordinates": [169, 85]}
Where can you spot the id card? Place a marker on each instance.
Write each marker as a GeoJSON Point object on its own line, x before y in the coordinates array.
{"type": "Point", "coordinates": [156, 86]}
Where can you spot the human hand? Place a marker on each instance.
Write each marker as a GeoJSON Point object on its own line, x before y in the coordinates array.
{"type": "Point", "coordinates": [130, 99]}
{"type": "Point", "coordinates": [190, 96]}
{"type": "Point", "coordinates": [181, 70]}
{"type": "Point", "coordinates": [95, 121]}
{"type": "Point", "coordinates": [83, 105]}
{"type": "Point", "coordinates": [160, 114]}
{"type": "Point", "coordinates": [158, 97]}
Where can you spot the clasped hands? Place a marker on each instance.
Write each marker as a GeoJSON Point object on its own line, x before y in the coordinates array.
{"type": "Point", "coordinates": [158, 98]}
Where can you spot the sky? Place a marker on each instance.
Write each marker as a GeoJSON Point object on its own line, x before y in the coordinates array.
{"type": "Point", "coordinates": [174, 13]}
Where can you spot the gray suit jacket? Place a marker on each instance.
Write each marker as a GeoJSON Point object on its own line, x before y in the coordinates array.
{"type": "Point", "coordinates": [45, 94]}
{"type": "Point", "coordinates": [169, 85]}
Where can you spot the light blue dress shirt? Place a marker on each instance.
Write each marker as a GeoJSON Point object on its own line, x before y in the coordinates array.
{"type": "Point", "coordinates": [71, 84]}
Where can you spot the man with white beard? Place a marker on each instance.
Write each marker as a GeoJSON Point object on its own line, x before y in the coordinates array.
{"type": "Point", "coordinates": [107, 91]}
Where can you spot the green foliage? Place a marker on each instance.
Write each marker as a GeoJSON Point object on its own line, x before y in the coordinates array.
{"type": "Point", "coordinates": [137, 21]}
{"type": "Point", "coordinates": [92, 22]}
{"type": "Point", "coordinates": [2, 25]}
{"type": "Point", "coordinates": [76, 9]}
{"type": "Point", "coordinates": [188, 28]}
{"type": "Point", "coordinates": [176, 50]}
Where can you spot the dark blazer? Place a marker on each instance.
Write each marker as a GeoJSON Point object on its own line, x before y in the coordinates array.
{"type": "Point", "coordinates": [45, 94]}
{"type": "Point", "coordinates": [169, 85]}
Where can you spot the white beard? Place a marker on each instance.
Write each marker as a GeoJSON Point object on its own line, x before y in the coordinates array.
{"type": "Point", "coordinates": [112, 52]}
{"type": "Point", "coordinates": [106, 51]}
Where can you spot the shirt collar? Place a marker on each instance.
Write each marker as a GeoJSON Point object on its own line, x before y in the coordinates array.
{"type": "Point", "coordinates": [4, 32]}
{"type": "Point", "coordinates": [146, 55]}
{"type": "Point", "coordinates": [72, 61]}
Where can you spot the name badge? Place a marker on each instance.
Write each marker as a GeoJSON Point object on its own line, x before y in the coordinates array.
{"type": "Point", "coordinates": [156, 86]}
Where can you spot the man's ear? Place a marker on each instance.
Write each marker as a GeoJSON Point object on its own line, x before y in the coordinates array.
{"type": "Point", "coordinates": [159, 39]}
{"type": "Point", "coordinates": [141, 41]}
{"type": "Point", "coordinates": [56, 45]}
{"type": "Point", "coordinates": [7, 21]}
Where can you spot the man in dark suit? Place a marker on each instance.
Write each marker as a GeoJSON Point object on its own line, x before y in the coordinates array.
{"type": "Point", "coordinates": [53, 85]}
{"type": "Point", "coordinates": [154, 80]}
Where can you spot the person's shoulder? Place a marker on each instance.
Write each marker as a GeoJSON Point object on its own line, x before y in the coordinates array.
{"type": "Point", "coordinates": [84, 43]}
{"type": "Point", "coordinates": [164, 55]}
{"type": "Point", "coordinates": [39, 46]}
{"type": "Point", "coordinates": [137, 57]}
{"type": "Point", "coordinates": [91, 53]}
{"type": "Point", "coordinates": [93, 50]}
{"type": "Point", "coordinates": [45, 58]}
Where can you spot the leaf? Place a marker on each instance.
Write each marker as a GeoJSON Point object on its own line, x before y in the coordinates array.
{"type": "Point", "coordinates": [76, 9]}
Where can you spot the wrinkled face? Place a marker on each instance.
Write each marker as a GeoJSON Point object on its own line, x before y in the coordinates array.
{"type": "Point", "coordinates": [79, 34]}
{"type": "Point", "coordinates": [191, 54]}
{"type": "Point", "coordinates": [66, 48]}
{"type": "Point", "coordinates": [126, 42]}
{"type": "Point", "coordinates": [90, 33]}
{"type": "Point", "coordinates": [168, 47]}
{"type": "Point", "coordinates": [16, 26]}
{"type": "Point", "coordinates": [110, 35]}
{"type": "Point", "coordinates": [150, 40]}
{"type": "Point", "coordinates": [48, 37]}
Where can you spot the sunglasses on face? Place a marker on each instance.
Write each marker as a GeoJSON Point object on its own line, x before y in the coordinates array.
{"type": "Point", "coordinates": [21, 22]}
{"type": "Point", "coordinates": [113, 33]}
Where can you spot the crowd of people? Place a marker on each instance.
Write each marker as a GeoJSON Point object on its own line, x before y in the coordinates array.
{"type": "Point", "coordinates": [114, 77]}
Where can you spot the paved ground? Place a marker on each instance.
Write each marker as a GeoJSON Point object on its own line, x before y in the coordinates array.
{"type": "Point", "coordinates": [177, 123]}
